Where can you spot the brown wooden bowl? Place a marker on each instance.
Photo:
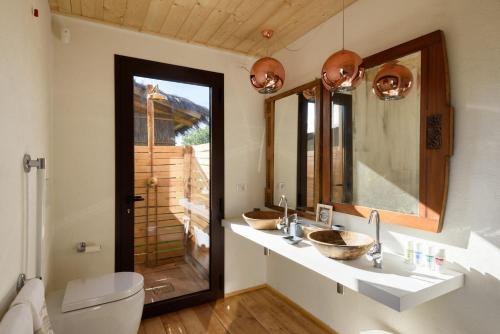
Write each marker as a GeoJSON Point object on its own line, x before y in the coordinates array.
{"type": "Point", "coordinates": [307, 229]}
{"type": "Point", "coordinates": [341, 245]}
{"type": "Point", "coordinates": [262, 220]}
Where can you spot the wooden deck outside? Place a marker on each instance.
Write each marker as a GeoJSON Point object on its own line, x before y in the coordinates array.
{"type": "Point", "coordinates": [171, 232]}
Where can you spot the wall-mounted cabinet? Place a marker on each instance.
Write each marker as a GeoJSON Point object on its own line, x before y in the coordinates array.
{"type": "Point", "coordinates": [358, 152]}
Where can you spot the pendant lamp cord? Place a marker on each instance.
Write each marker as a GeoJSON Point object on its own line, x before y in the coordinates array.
{"type": "Point", "coordinates": [343, 25]}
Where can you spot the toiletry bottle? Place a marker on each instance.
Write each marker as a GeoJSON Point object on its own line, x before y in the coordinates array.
{"type": "Point", "coordinates": [410, 253]}
{"type": "Point", "coordinates": [439, 260]}
{"type": "Point", "coordinates": [418, 254]}
{"type": "Point", "coordinates": [430, 259]}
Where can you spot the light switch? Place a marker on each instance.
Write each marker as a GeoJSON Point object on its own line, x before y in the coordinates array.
{"type": "Point", "coordinates": [281, 186]}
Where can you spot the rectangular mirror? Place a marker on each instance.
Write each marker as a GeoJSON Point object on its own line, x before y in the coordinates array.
{"type": "Point", "coordinates": [391, 154]}
{"type": "Point", "coordinates": [375, 153]}
{"type": "Point", "coordinates": [357, 152]}
{"type": "Point", "coordinates": [292, 146]}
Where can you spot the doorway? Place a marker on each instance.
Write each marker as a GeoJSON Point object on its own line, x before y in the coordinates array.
{"type": "Point", "coordinates": [169, 181]}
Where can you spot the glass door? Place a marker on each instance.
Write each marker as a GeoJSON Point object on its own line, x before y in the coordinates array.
{"type": "Point", "coordinates": [171, 179]}
{"type": "Point", "coordinates": [172, 198]}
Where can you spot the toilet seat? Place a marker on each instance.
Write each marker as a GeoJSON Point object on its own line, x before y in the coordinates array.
{"type": "Point", "coordinates": [90, 292]}
{"type": "Point", "coordinates": [112, 303]}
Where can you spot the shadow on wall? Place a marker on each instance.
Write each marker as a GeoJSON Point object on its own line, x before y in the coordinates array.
{"type": "Point", "coordinates": [462, 311]}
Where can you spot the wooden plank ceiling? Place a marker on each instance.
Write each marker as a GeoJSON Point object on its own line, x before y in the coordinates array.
{"type": "Point", "coordinates": [226, 24]}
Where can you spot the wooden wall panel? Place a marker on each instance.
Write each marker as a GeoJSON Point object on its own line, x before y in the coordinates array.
{"type": "Point", "coordinates": [54, 5]}
{"type": "Point", "coordinates": [217, 17]}
{"type": "Point", "coordinates": [93, 9]}
{"type": "Point", "coordinates": [136, 12]}
{"type": "Point", "coordinates": [196, 18]}
{"type": "Point", "coordinates": [183, 173]}
{"type": "Point", "coordinates": [114, 11]}
{"type": "Point", "coordinates": [160, 212]}
{"type": "Point", "coordinates": [176, 17]}
{"type": "Point", "coordinates": [76, 7]}
{"type": "Point", "coordinates": [234, 25]}
{"type": "Point", "coordinates": [156, 15]}
{"type": "Point", "coordinates": [64, 6]}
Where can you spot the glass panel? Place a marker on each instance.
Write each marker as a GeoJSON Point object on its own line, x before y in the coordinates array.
{"type": "Point", "coordinates": [375, 146]}
{"type": "Point", "coordinates": [172, 170]}
{"type": "Point", "coordinates": [294, 142]}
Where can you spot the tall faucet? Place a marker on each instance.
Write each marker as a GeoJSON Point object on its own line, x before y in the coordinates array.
{"type": "Point", "coordinates": [376, 252]}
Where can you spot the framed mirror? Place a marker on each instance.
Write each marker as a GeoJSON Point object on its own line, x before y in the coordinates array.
{"type": "Point", "coordinates": [375, 145]}
{"type": "Point", "coordinates": [357, 152]}
{"type": "Point", "coordinates": [292, 144]}
{"type": "Point", "coordinates": [392, 155]}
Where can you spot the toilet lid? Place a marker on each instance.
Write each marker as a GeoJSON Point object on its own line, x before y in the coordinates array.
{"type": "Point", "coordinates": [88, 292]}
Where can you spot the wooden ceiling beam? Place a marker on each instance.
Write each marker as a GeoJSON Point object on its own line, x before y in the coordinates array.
{"type": "Point", "coordinates": [64, 6]}
{"type": "Point", "coordinates": [196, 18]}
{"type": "Point", "coordinates": [135, 13]}
{"type": "Point", "coordinates": [215, 20]}
{"type": "Point", "coordinates": [177, 16]}
{"type": "Point", "coordinates": [114, 11]}
{"type": "Point", "coordinates": [268, 10]}
{"type": "Point", "coordinates": [156, 15]}
{"type": "Point", "coordinates": [241, 14]}
{"type": "Point", "coordinates": [76, 7]}
{"type": "Point", "coordinates": [54, 6]}
{"type": "Point", "coordinates": [275, 22]}
{"type": "Point", "coordinates": [233, 25]}
{"type": "Point", "coordinates": [313, 15]}
{"type": "Point", "coordinates": [93, 9]}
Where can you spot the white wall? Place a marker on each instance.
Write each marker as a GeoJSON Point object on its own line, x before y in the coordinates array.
{"type": "Point", "coordinates": [471, 233]}
{"type": "Point", "coordinates": [84, 136]}
{"type": "Point", "coordinates": [25, 84]}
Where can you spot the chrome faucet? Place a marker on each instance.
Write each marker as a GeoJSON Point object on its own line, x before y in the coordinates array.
{"type": "Point", "coordinates": [283, 199]}
{"type": "Point", "coordinates": [376, 252]}
{"type": "Point", "coordinates": [284, 225]}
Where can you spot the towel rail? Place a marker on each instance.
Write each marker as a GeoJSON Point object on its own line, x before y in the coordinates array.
{"type": "Point", "coordinates": [39, 164]}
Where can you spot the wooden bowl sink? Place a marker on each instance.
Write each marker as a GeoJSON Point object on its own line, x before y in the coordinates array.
{"type": "Point", "coordinates": [341, 245]}
{"type": "Point", "coordinates": [307, 229]}
{"type": "Point", "coordinates": [262, 220]}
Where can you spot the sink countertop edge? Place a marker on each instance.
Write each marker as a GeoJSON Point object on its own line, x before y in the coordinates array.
{"type": "Point", "coordinates": [404, 291]}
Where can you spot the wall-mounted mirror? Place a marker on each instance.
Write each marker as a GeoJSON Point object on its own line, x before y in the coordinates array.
{"type": "Point", "coordinates": [292, 146]}
{"type": "Point", "coordinates": [392, 155]}
{"type": "Point", "coordinates": [358, 152]}
{"type": "Point", "coordinates": [375, 145]}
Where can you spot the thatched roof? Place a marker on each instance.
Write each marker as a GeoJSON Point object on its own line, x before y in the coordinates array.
{"type": "Point", "coordinates": [186, 114]}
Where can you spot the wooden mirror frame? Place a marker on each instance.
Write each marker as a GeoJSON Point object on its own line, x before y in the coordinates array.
{"type": "Point", "coordinates": [321, 94]}
{"type": "Point", "coordinates": [436, 136]}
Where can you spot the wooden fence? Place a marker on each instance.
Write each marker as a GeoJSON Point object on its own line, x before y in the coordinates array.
{"type": "Point", "coordinates": [196, 190]}
{"type": "Point", "coordinates": [166, 214]}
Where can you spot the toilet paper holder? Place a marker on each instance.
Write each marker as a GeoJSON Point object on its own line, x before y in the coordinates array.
{"type": "Point", "coordinates": [85, 247]}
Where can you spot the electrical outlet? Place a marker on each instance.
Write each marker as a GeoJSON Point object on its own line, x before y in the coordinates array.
{"type": "Point", "coordinates": [241, 187]}
{"type": "Point", "coordinates": [281, 186]}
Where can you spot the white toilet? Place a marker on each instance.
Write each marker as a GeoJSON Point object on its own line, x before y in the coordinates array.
{"type": "Point", "coordinates": [107, 304]}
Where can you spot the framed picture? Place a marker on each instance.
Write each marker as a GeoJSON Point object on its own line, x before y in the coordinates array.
{"type": "Point", "coordinates": [324, 214]}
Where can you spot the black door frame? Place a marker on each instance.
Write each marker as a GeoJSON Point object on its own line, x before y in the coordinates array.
{"type": "Point", "coordinates": [125, 69]}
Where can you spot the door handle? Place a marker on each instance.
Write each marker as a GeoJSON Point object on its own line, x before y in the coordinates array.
{"type": "Point", "coordinates": [136, 198]}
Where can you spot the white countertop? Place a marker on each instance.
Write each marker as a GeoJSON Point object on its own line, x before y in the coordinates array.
{"type": "Point", "coordinates": [397, 285]}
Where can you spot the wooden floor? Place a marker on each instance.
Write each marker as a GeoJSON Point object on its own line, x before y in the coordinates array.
{"type": "Point", "coordinates": [260, 311]}
{"type": "Point", "coordinates": [170, 280]}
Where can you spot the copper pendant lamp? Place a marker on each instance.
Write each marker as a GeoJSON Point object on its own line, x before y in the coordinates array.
{"type": "Point", "coordinates": [343, 70]}
{"type": "Point", "coordinates": [267, 74]}
{"type": "Point", "coordinates": [392, 82]}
